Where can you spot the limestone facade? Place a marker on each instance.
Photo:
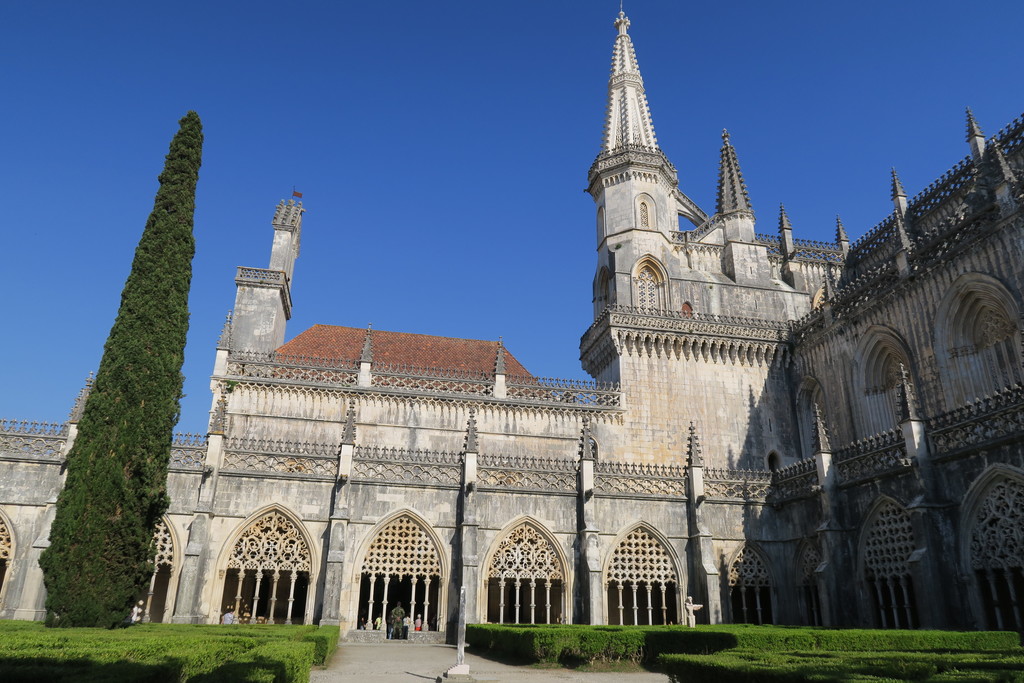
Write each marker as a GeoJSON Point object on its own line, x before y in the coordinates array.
{"type": "Point", "coordinates": [788, 431]}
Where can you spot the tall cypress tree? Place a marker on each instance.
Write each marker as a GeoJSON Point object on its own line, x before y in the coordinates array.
{"type": "Point", "coordinates": [100, 555]}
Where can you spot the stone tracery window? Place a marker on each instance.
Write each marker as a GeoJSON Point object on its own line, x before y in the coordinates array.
{"type": "Point", "coordinates": [401, 558]}
{"type": "Point", "coordinates": [997, 554]}
{"type": "Point", "coordinates": [647, 287]}
{"type": "Point", "coordinates": [882, 374]}
{"type": "Point", "coordinates": [983, 352]}
{"type": "Point", "coordinates": [810, 560]}
{"type": "Point", "coordinates": [6, 551]}
{"type": "Point", "coordinates": [271, 547]}
{"type": "Point", "coordinates": [163, 566]}
{"type": "Point", "coordinates": [888, 544]}
{"type": "Point", "coordinates": [645, 215]}
{"type": "Point", "coordinates": [640, 566]}
{"type": "Point", "coordinates": [524, 564]}
{"type": "Point", "coordinates": [750, 588]}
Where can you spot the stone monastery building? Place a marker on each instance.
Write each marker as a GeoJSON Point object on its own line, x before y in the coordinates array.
{"type": "Point", "coordinates": [788, 431]}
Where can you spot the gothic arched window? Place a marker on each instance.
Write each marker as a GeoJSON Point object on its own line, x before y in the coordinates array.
{"type": "Point", "coordinates": [525, 576]}
{"type": "Point", "coordinates": [750, 588]}
{"type": "Point", "coordinates": [270, 548]}
{"type": "Point", "coordinates": [997, 553]}
{"type": "Point", "coordinates": [810, 403]}
{"type": "Point", "coordinates": [647, 286]}
{"type": "Point", "coordinates": [401, 558]}
{"type": "Point", "coordinates": [883, 362]}
{"type": "Point", "coordinates": [645, 215]}
{"type": "Point", "coordinates": [6, 551]}
{"type": "Point", "coordinates": [810, 559]}
{"type": "Point", "coordinates": [983, 352]}
{"type": "Point", "coordinates": [641, 579]}
{"type": "Point", "coordinates": [159, 582]}
{"type": "Point", "coordinates": [888, 544]}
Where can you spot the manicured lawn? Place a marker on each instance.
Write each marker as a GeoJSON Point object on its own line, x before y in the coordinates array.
{"type": "Point", "coordinates": [162, 652]}
{"type": "Point", "coordinates": [766, 653]}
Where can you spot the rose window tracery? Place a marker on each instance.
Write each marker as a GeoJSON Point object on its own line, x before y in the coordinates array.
{"type": "Point", "coordinates": [889, 543]}
{"type": "Point", "coordinates": [402, 547]}
{"type": "Point", "coordinates": [641, 557]}
{"type": "Point", "coordinates": [525, 554]}
{"type": "Point", "coordinates": [749, 570]}
{"type": "Point", "coordinates": [997, 539]}
{"type": "Point", "coordinates": [272, 542]}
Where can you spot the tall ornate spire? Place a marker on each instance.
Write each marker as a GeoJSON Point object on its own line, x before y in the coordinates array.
{"type": "Point", "coordinates": [732, 191]}
{"type": "Point", "coordinates": [694, 453]}
{"type": "Point", "coordinates": [628, 119]}
{"type": "Point", "coordinates": [366, 356]}
{"type": "Point", "coordinates": [840, 230]}
{"type": "Point", "coordinates": [897, 186]}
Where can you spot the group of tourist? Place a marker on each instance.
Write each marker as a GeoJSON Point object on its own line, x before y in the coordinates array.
{"type": "Point", "coordinates": [398, 623]}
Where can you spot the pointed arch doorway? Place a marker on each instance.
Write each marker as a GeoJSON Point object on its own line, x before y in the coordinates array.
{"type": "Point", "coordinates": [402, 567]}
{"type": "Point", "coordinates": [268, 572]}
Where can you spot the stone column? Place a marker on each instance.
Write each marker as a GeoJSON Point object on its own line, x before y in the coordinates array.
{"type": "Point", "coordinates": [334, 568]}
{"type": "Point", "coordinates": [706, 580]}
{"type": "Point", "coordinates": [187, 605]}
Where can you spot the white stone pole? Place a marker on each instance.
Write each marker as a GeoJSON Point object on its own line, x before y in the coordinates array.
{"type": "Point", "coordinates": [533, 600]}
{"type": "Point", "coordinates": [291, 597]}
{"type": "Point", "coordinates": [519, 584]}
{"type": "Point", "coordinates": [426, 605]}
{"type": "Point", "coordinates": [501, 600]}
{"type": "Point", "coordinates": [650, 606]}
{"type": "Point", "coordinates": [256, 595]}
{"type": "Point", "coordinates": [238, 595]}
{"type": "Point", "coordinates": [412, 603]}
{"type": "Point", "coordinates": [369, 603]}
{"type": "Point", "coordinates": [636, 619]}
{"type": "Point", "coordinates": [547, 601]}
{"type": "Point", "coordinates": [149, 597]}
{"type": "Point", "coordinates": [622, 616]}
{"type": "Point", "coordinates": [664, 606]}
{"type": "Point", "coordinates": [384, 604]}
{"type": "Point", "coordinates": [273, 597]}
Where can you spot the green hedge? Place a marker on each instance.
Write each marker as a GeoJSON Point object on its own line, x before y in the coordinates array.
{"type": "Point", "coordinates": [574, 643]}
{"type": "Point", "coordinates": [746, 666]}
{"type": "Point", "coordinates": [163, 652]}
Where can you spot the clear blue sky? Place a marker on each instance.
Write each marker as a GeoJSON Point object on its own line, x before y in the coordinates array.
{"type": "Point", "coordinates": [442, 149]}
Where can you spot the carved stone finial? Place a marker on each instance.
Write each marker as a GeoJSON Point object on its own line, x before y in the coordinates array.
{"type": "Point", "coordinates": [499, 361]}
{"type": "Point", "coordinates": [906, 402]}
{"type": "Point", "coordinates": [973, 129]}
{"type": "Point", "coordinates": [694, 454]}
{"type": "Point", "coordinates": [819, 433]}
{"type": "Point", "coordinates": [225, 334]}
{"type": "Point", "coordinates": [784, 224]}
{"type": "Point", "coordinates": [367, 354]}
{"type": "Point", "coordinates": [83, 396]}
{"type": "Point", "coordinates": [586, 441]}
{"type": "Point", "coordinates": [840, 231]}
{"type": "Point", "coordinates": [288, 215]}
{"type": "Point", "coordinates": [471, 445]}
{"type": "Point", "coordinates": [732, 190]}
{"type": "Point", "coordinates": [348, 436]}
{"type": "Point", "coordinates": [622, 23]}
{"type": "Point", "coordinates": [897, 186]}
{"type": "Point", "coordinates": [219, 419]}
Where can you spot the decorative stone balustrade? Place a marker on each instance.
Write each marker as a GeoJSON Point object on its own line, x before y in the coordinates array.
{"type": "Point", "coordinates": [986, 420]}
{"type": "Point", "coordinates": [188, 451]}
{"type": "Point", "coordinates": [637, 479]}
{"type": "Point", "coordinates": [876, 455]}
{"type": "Point", "coordinates": [738, 485]}
{"type": "Point", "coordinates": [402, 466]}
{"type": "Point", "coordinates": [525, 473]}
{"type": "Point", "coordinates": [798, 480]}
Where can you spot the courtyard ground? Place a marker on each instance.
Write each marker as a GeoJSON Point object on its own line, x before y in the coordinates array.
{"type": "Point", "coordinates": [401, 661]}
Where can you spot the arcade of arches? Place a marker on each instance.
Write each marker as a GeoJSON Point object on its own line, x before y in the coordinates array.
{"type": "Point", "coordinates": [160, 581]}
{"type": "Point", "coordinates": [750, 588]}
{"type": "Point", "coordinates": [402, 567]}
{"type": "Point", "coordinates": [641, 582]}
{"type": "Point", "coordinates": [888, 544]}
{"type": "Point", "coordinates": [525, 580]}
{"type": "Point", "coordinates": [267, 577]}
{"type": "Point", "coordinates": [997, 554]}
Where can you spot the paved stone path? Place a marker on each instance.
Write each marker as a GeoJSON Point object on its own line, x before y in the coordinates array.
{"type": "Point", "coordinates": [388, 661]}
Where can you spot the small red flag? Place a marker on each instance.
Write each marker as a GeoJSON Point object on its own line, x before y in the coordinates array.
{"type": "Point", "coordinates": [296, 194]}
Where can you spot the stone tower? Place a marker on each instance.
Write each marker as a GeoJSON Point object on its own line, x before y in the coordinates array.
{"type": "Point", "coordinates": [263, 300]}
{"type": "Point", "coordinates": [690, 315]}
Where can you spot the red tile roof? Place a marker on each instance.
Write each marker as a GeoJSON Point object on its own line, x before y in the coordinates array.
{"type": "Point", "coordinates": [403, 348]}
